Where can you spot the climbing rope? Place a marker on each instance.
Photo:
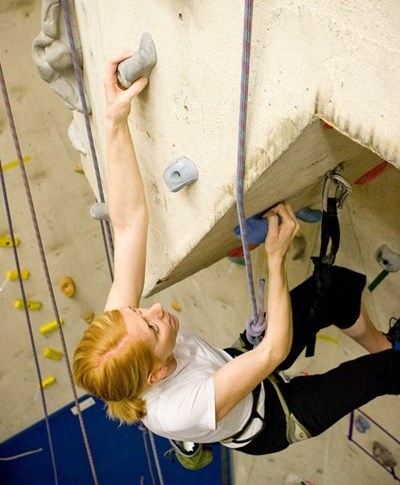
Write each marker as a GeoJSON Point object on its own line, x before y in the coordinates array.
{"type": "Point", "coordinates": [146, 432]}
{"type": "Point", "coordinates": [155, 455]}
{"type": "Point", "coordinates": [257, 324]}
{"type": "Point", "coordinates": [45, 269]}
{"type": "Point", "coordinates": [28, 320]}
{"type": "Point", "coordinates": [78, 75]}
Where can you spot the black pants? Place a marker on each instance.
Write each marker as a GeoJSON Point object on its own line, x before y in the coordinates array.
{"type": "Point", "coordinates": [319, 401]}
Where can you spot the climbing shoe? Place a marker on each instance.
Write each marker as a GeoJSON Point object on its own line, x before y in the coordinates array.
{"type": "Point", "coordinates": [394, 333]}
{"type": "Point", "coordinates": [192, 456]}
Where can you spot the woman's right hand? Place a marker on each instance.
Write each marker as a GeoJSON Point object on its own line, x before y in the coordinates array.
{"type": "Point", "coordinates": [118, 100]}
{"type": "Point", "coordinates": [280, 234]}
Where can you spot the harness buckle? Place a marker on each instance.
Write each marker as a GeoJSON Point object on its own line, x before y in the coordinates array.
{"type": "Point", "coordinates": [343, 187]}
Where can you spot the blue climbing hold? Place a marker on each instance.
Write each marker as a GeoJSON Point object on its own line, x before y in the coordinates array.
{"type": "Point", "coordinates": [362, 424]}
{"type": "Point", "coordinates": [309, 215]}
{"type": "Point", "coordinates": [257, 227]}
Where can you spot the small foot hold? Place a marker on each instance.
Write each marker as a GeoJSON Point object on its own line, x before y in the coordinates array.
{"type": "Point", "coordinates": [88, 317]}
{"type": "Point", "coordinates": [54, 354]}
{"type": "Point", "coordinates": [383, 455]}
{"type": "Point", "coordinates": [236, 255]}
{"type": "Point", "coordinates": [180, 173]}
{"type": "Point", "coordinates": [362, 425]}
{"type": "Point", "coordinates": [49, 327]}
{"type": "Point", "coordinates": [47, 382]}
{"type": "Point", "coordinates": [67, 286]}
{"type": "Point", "coordinates": [100, 212]}
{"type": "Point", "coordinates": [140, 64]}
{"type": "Point", "coordinates": [31, 305]}
{"type": "Point", "coordinates": [176, 306]}
{"type": "Point", "coordinates": [372, 174]}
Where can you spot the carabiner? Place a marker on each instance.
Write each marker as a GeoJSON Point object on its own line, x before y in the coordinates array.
{"type": "Point", "coordinates": [343, 188]}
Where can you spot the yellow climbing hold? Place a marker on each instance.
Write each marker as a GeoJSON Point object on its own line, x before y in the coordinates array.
{"type": "Point", "coordinates": [88, 317]}
{"type": "Point", "coordinates": [78, 168]}
{"type": "Point", "coordinates": [327, 338]}
{"type": "Point", "coordinates": [15, 163]}
{"type": "Point", "coordinates": [53, 354]}
{"type": "Point", "coordinates": [12, 274]}
{"type": "Point", "coordinates": [67, 286]}
{"type": "Point", "coordinates": [32, 305]}
{"type": "Point", "coordinates": [47, 381]}
{"type": "Point", "coordinates": [176, 306]}
{"type": "Point", "coordinates": [49, 327]}
{"type": "Point", "coordinates": [7, 242]}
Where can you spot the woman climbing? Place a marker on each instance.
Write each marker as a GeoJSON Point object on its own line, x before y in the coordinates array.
{"type": "Point", "coordinates": [182, 388]}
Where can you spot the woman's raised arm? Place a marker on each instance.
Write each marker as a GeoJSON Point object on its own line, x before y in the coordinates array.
{"type": "Point", "coordinates": [240, 376]}
{"type": "Point", "coordinates": [126, 196]}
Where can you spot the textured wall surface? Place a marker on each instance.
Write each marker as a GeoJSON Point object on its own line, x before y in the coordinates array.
{"type": "Point", "coordinates": [195, 50]}
{"type": "Point", "coordinates": [341, 63]}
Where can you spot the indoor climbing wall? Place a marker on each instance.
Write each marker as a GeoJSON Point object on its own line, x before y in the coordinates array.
{"type": "Point", "coordinates": [191, 110]}
{"type": "Point", "coordinates": [306, 60]}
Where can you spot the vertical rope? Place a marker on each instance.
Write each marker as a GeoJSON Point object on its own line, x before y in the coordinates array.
{"type": "Point", "coordinates": [157, 462]}
{"type": "Point", "coordinates": [28, 320]}
{"type": "Point", "coordinates": [79, 81]}
{"type": "Point", "coordinates": [256, 325]}
{"type": "Point", "coordinates": [241, 156]}
{"type": "Point", "coordinates": [44, 263]}
{"type": "Point", "coordinates": [143, 429]}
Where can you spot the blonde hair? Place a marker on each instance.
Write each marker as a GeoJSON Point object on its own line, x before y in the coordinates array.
{"type": "Point", "coordinates": [114, 368]}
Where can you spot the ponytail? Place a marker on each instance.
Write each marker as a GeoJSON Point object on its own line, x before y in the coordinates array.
{"type": "Point", "coordinates": [127, 410]}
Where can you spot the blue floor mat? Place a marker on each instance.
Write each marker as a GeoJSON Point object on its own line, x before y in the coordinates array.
{"type": "Point", "coordinates": [118, 453]}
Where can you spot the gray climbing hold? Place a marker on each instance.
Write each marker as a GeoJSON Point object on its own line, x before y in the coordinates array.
{"type": "Point", "coordinates": [383, 455]}
{"type": "Point", "coordinates": [76, 138]}
{"type": "Point", "coordinates": [99, 211]}
{"type": "Point", "coordinates": [179, 173]}
{"type": "Point", "coordinates": [52, 55]}
{"type": "Point", "coordinates": [388, 259]}
{"type": "Point", "coordinates": [140, 64]}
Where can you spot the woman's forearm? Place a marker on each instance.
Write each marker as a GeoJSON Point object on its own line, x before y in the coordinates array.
{"type": "Point", "coordinates": [126, 195]}
{"type": "Point", "coordinates": [279, 312]}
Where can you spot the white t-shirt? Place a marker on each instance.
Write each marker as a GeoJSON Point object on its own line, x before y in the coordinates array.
{"type": "Point", "coordinates": [182, 406]}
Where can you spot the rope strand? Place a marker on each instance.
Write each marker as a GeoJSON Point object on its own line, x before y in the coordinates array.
{"type": "Point", "coordinates": [78, 75]}
{"type": "Point", "coordinates": [256, 325]}
{"type": "Point", "coordinates": [45, 266]}
{"type": "Point", "coordinates": [28, 320]}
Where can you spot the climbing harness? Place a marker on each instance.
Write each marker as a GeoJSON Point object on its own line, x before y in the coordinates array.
{"type": "Point", "coordinates": [48, 282]}
{"type": "Point", "coordinates": [295, 431]}
{"type": "Point", "coordinates": [330, 238]}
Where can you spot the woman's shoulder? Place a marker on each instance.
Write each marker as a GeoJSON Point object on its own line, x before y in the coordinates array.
{"type": "Point", "coordinates": [194, 349]}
